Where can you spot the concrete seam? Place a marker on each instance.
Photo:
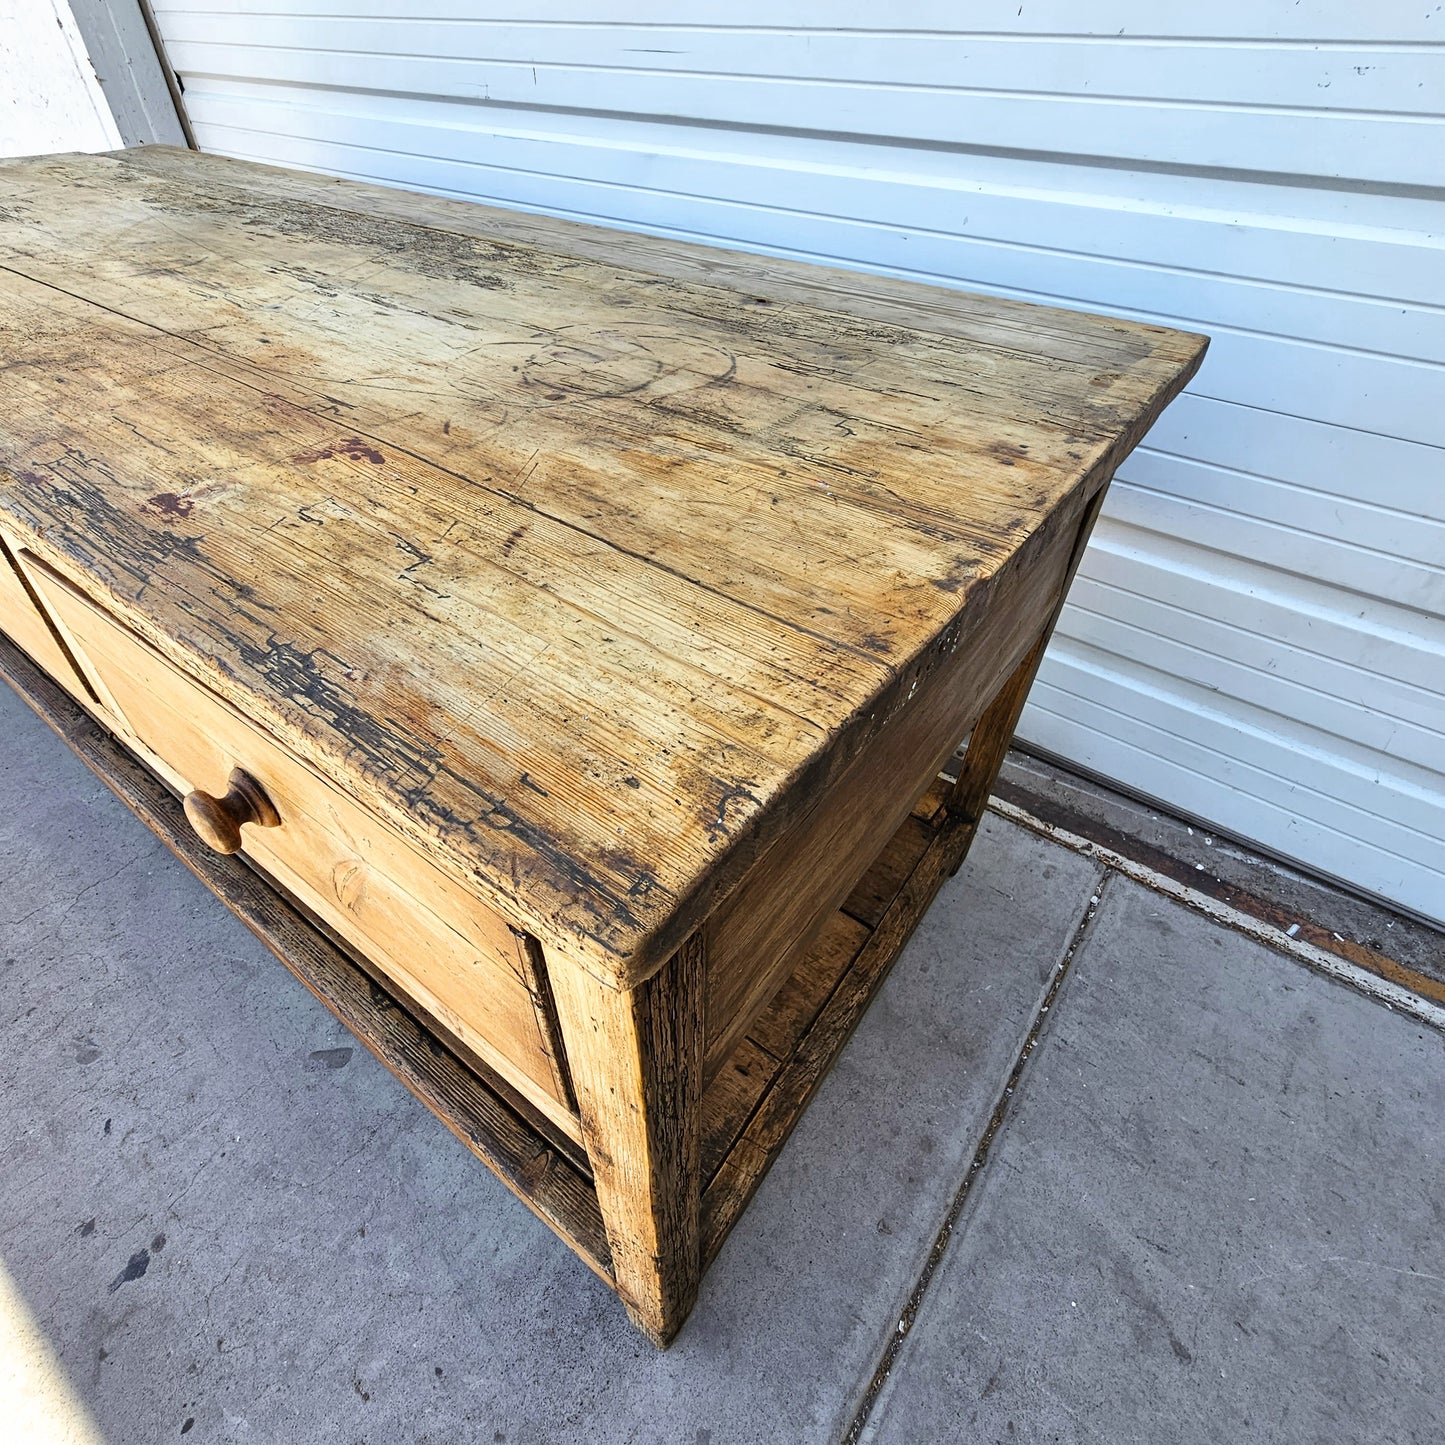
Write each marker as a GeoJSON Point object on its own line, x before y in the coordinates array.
{"type": "Point", "coordinates": [1394, 996]}
{"type": "Point", "coordinates": [954, 1217]}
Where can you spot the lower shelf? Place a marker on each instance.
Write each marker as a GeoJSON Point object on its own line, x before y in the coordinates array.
{"type": "Point", "coordinates": [766, 1084]}
{"type": "Point", "coordinates": [748, 1111]}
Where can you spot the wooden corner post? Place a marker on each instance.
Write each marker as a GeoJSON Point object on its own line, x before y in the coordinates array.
{"type": "Point", "coordinates": [636, 1059]}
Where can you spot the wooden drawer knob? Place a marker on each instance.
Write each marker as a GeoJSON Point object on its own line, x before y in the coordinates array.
{"type": "Point", "coordinates": [218, 821]}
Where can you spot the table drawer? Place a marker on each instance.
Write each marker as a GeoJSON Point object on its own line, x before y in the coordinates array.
{"type": "Point", "coordinates": [25, 625]}
{"type": "Point", "coordinates": [454, 956]}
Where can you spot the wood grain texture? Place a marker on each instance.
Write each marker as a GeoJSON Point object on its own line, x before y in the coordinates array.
{"type": "Point", "coordinates": [218, 821]}
{"type": "Point", "coordinates": [535, 974]}
{"type": "Point", "coordinates": [586, 577]}
{"type": "Point", "coordinates": [754, 936]}
{"type": "Point", "coordinates": [755, 1062]}
{"type": "Point", "coordinates": [994, 731]}
{"type": "Point", "coordinates": [636, 1059]}
{"type": "Point", "coordinates": [24, 621]}
{"type": "Point", "coordinates": [754, 1103]}
{"type": "Point", "coordinates": [840, 982]}
{"type": "Point", "coordinates": [879, 886]}
{"type": "Point", "coordinates": [596, 612]}
{"type": "Point", "coordinates": [440, 945]}
{"type": "Point", "coordinates": [542, 1175]}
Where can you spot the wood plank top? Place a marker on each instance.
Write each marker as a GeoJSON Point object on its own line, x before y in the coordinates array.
{"type": "Point", "coordinates": [584, 558]}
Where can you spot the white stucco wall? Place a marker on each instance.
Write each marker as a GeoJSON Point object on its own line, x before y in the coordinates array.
{"type": "Point", "coordinates": [50, 98]}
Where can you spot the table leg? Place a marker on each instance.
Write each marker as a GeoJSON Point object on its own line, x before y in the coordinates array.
{"type": "Point", "coordinates": [637, 1067]}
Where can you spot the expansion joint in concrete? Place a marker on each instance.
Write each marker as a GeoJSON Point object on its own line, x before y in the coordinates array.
{"type": "Point", "coordinates": [954, 1217]}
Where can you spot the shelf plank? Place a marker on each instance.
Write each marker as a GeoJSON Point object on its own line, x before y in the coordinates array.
{"type": "Point", "coordinates": [856, 975]}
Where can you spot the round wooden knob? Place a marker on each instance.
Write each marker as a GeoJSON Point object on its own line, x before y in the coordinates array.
{"type": "Point", "coordinates": [218, 821]}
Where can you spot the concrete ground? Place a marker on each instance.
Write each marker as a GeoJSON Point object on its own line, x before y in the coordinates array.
{"type": "Point", "coordinates": [1209, 1203]}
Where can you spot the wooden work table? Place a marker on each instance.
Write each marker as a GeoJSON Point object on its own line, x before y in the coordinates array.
{"type": "Point", "coordinates": [548, 639]}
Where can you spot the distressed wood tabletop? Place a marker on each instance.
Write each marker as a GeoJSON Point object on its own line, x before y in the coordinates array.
{"type": "Point", "coordinates": [585, 559]}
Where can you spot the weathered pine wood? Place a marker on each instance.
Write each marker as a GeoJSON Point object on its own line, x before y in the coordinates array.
{"type": "Point", "coordinates": [218, 821]}
{"type": "Point", "coordinates": [23, 619]}
{"type": "Point", "coordinates": [1050, 332]}
{"type": "Point", "coordinates": [673, 553]}
{"type": "Point", "coordinates": [636, 1058]}
{"type": "Point", "coordinates": [451, 953]}
{"type": "Point", "coordinates": [879, 886]}
{"type": "Point", "coordinates": [440, 944]}
{"type": "Point", "coordinates": [994, 731]}
{"type": "Point", "coordinates": [540, 1174]}
{"type": "Point", "coordinates": [757, 1063]}
{"type": "Point", "coordinates": [538, 979]}
{"type": "Point", "coordinates": [755, 935]}
{"type": "Point", "coordinates": [772, 1100]}
{"type": "Point", "coordinates": [856, 979]}
{"type": "Point", "coordinates": [571, 626]}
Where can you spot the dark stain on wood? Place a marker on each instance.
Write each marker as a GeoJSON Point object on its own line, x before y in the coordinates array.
{"type": "Point", "coordinates": [352, 448]}
{"type": "Point", "coordinates": [557, 1189]}
{"type": "Point", "coordinates": [731, 794]}
{"type": "Point", "coordinates": [816, 594]}
{"type": "Point", "coordinates": [169, 504]}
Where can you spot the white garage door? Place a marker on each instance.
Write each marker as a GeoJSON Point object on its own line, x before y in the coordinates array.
{"type": "Point", "coordinates": [1256, 637]}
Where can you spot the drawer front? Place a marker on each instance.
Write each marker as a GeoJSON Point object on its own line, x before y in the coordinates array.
{"type": "Point", "coordinates": [25, 625]}
{"type": "Point", "coordinates": [445, 949]}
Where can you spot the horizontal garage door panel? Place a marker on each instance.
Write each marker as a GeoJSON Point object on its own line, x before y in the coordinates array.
{"type": "Point", "coordinates": [1141, 736]}
{"type": "Point", "coordinates": [1337, 461]}
{"type": "Point", "coordinates": [1255, 636]}
{"type": "Point", "coordinates": [1318, 142]}
{"type": "Point", "coordinates": [1253, 738]}
{"type": "Point", "coordinates": [1305, 520]}
{"type": "Point", "coordinates": [1322, 22]}
{"type": "Point", "coordinates": [1345, 560]}
{"type": "Point", "coordinates": [1257, 73]}
{"type": "Point", "coordinates": [1232, 660]}
{"type": "Point", "coordinates": [1387, 660]}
